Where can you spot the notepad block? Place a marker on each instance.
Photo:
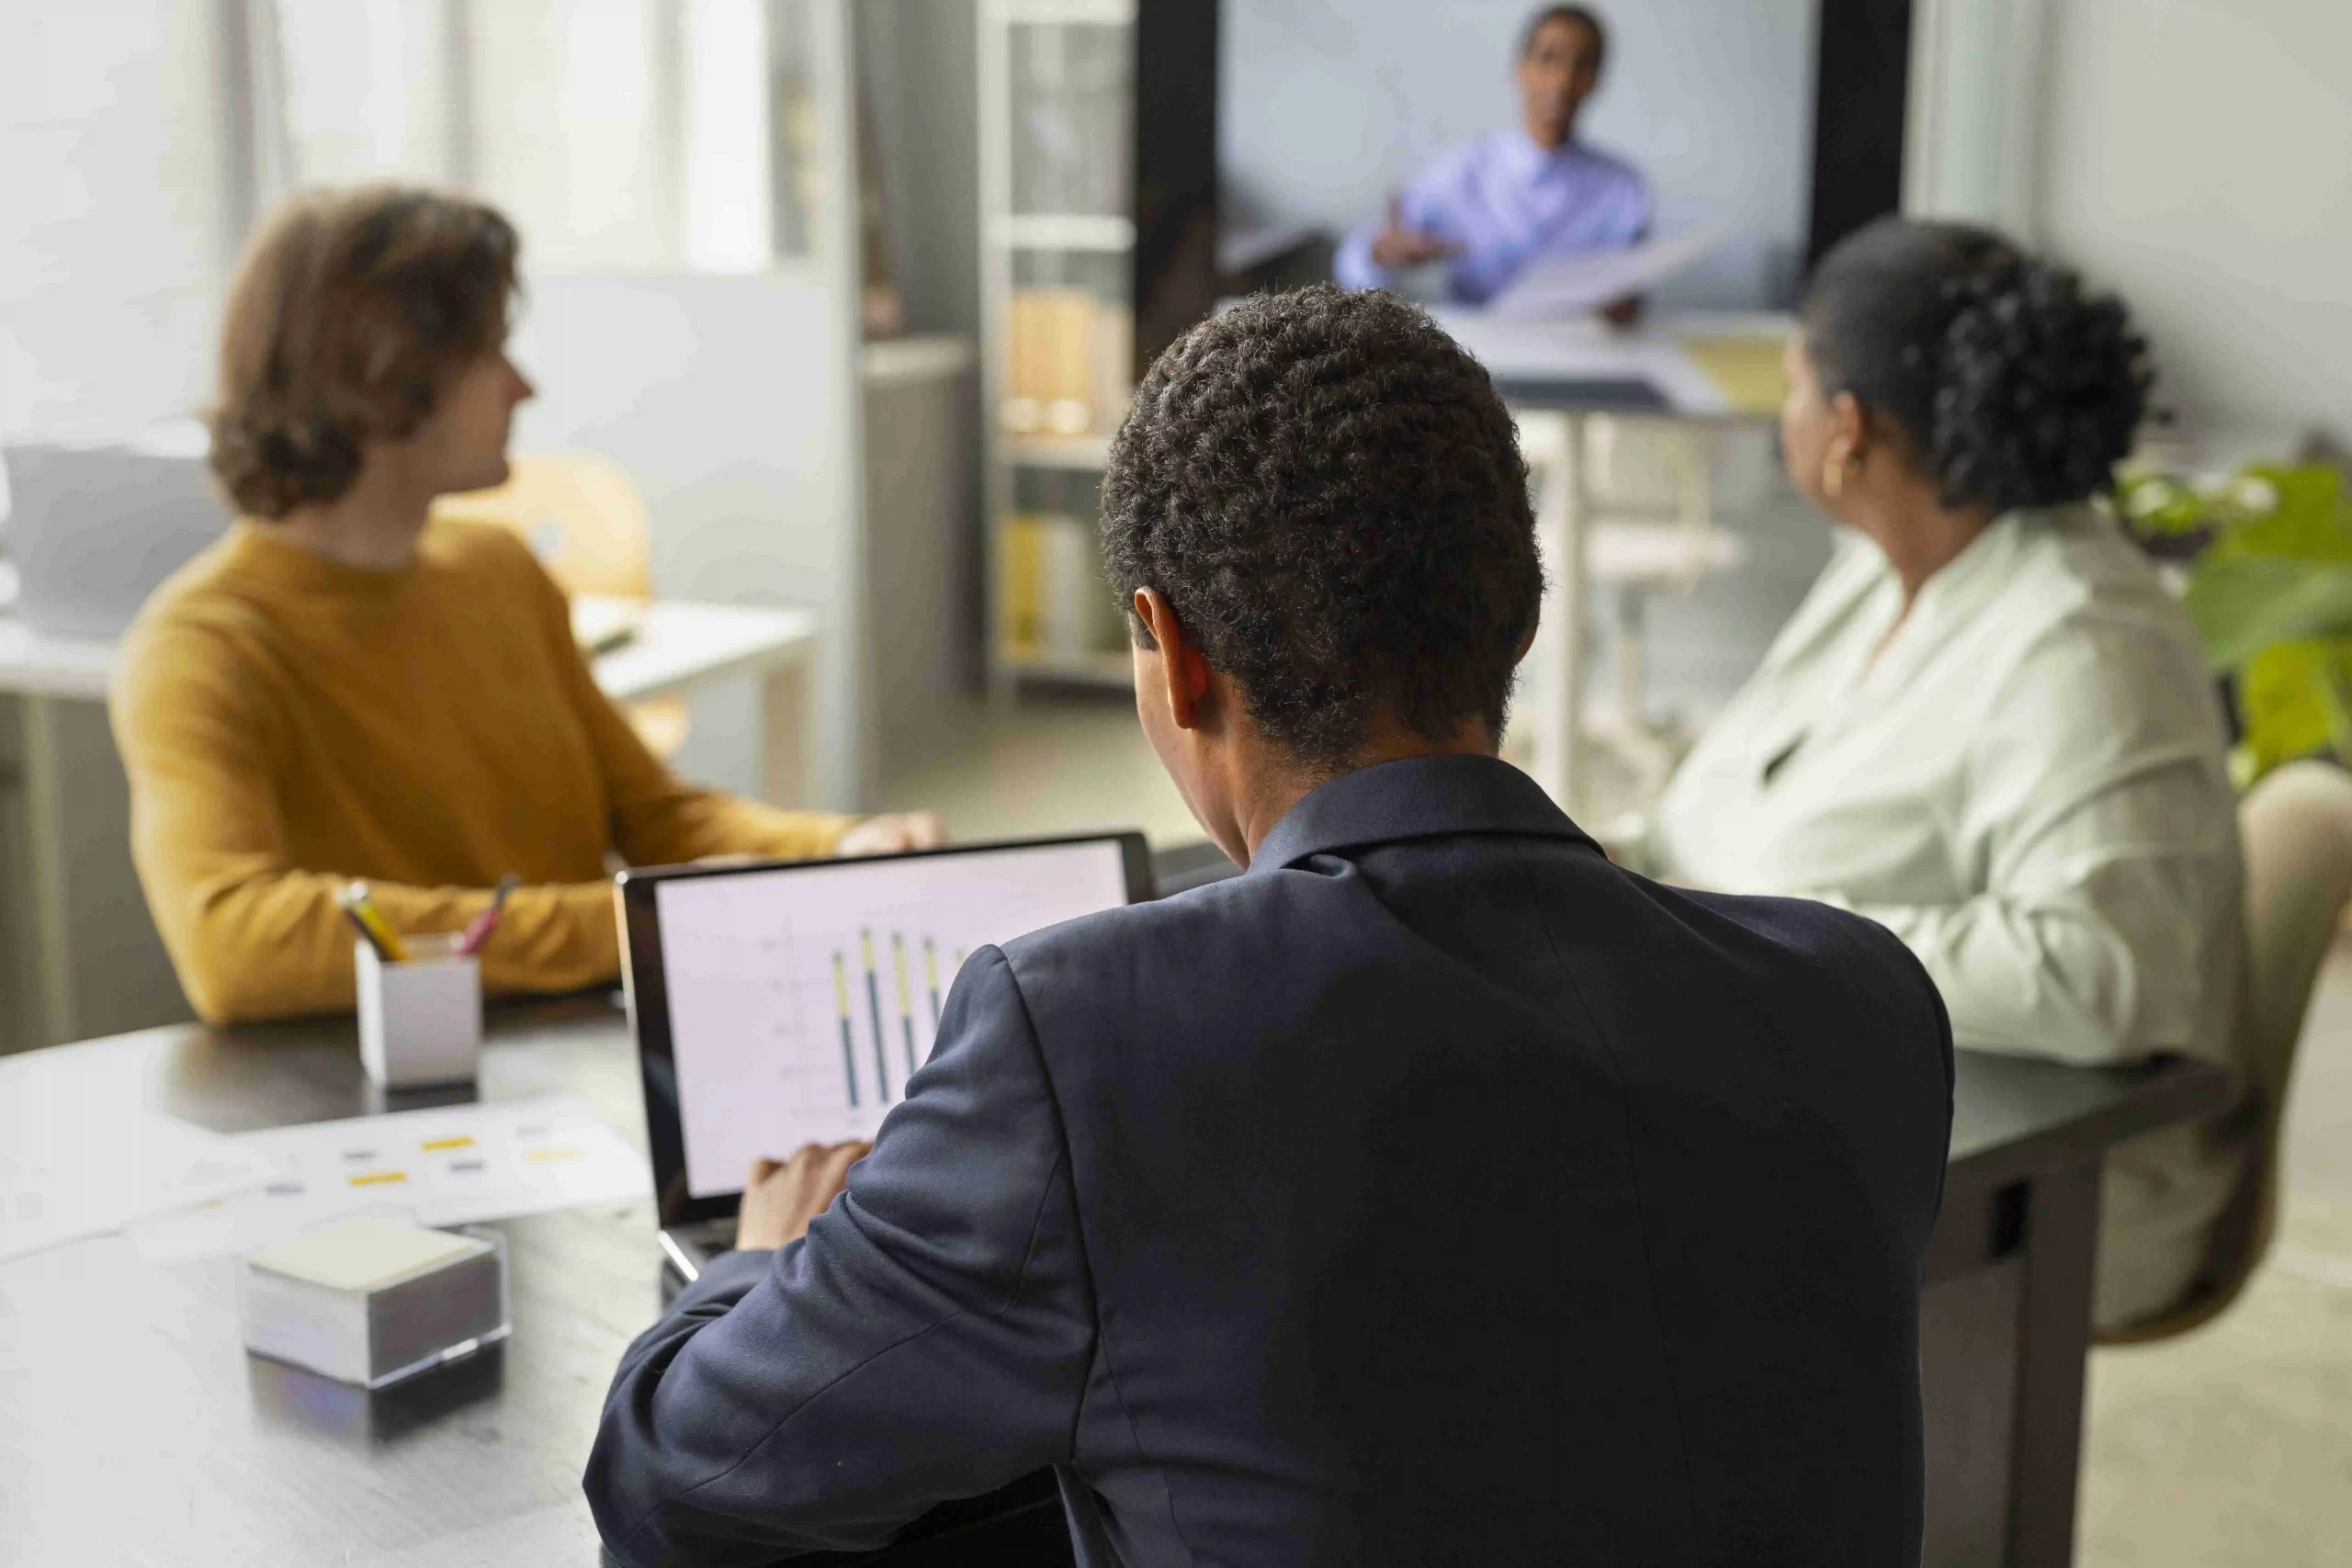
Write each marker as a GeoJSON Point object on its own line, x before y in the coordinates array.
{"type": "Point", "coordinates": [371, 1301]}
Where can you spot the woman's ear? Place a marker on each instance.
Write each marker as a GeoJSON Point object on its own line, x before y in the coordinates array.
{"type": "Point", "coordinates": [1849, 430]}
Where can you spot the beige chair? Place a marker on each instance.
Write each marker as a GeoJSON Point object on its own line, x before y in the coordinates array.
{"type": "Point", "coordinates": [581, 515]}
{"type": "Point", "coordinates": [584, 518]}
{"type": "Point", "coordinates": [2297, 824]}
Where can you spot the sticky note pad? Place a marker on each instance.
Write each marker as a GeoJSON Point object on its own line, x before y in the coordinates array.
{"type": "Point", "coordinates": [372, 1301]}
{"type": "Point", "coordinates": [366, 1254]}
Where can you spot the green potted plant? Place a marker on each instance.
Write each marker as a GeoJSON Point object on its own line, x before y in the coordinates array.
{"type": "Point", "coordinates": [2268, 565]}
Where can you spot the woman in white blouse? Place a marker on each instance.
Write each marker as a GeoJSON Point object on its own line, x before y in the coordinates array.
{"type": "Point", "coordinates": [1988, 726]}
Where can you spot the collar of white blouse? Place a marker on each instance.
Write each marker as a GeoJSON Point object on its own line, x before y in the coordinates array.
{"type": "Point", "coordinates": [1822, 663]}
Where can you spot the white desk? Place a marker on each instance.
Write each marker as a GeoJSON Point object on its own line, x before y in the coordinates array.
{"type": "Point", "coordinates": [75, 829]}
{"type": "Point", "coordinates": [681, 648]}
{"type": "Point", "coordinates": [34, 665]}
{"type": "Point", "coordinates": [1555, 375]}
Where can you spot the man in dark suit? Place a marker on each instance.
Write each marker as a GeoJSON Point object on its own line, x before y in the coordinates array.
{"type": "Point", "coordinates": [1434, 1191]}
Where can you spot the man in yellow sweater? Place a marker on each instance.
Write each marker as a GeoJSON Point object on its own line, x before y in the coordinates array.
{"type": "Point", "coordinates": [341, 688]}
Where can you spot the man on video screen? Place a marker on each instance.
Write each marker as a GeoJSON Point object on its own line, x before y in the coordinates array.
{"type": "Point", "coordinates": [1489, 208]}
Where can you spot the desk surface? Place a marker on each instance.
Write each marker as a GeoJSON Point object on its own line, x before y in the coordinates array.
{"type": "Point", "coordinates": [681, 645]}
{"type": "Point", "coordinates": [677, 646]}
{"type": "Point", "coordinates": [133, 1427]}
{"type": "Point", "coordinates": [2013, 1118]}
{"type": "Point", "coordinates": [1689, 366]}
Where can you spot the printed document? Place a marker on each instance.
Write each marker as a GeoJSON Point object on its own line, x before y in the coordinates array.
{"type": "Point", "coordinates": [1588, 280]}
{"type": "Point", "coordinates": [449, 1166]}
{"type": "Point", "coordinates": [75, 1163]}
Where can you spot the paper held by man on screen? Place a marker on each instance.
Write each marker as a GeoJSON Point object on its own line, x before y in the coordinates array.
{"type": "Point", "coordinates": [1585, 281]}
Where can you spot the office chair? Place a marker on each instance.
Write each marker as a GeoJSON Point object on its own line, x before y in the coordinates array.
{"type": "Point", "coordinates": [2297, 824]}
{"type": "Point", "coordinates": [585, 519]}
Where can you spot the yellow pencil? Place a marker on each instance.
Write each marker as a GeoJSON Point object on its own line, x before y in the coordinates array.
{"type": "Point", "coordinates": [360, 907]}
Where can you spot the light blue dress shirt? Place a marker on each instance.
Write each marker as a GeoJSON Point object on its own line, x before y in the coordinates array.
{"type": "Point", "coordinates": [1505, 202]}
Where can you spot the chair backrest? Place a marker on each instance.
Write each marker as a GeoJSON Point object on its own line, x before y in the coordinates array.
{"type": "Point", "coordinates": [2297, 825]}
{"type": "Point", "coordinates": [581, 515]}
{"type": "Point", "coordinates": [1661, 469]}
{"type": "Point", "coordinates": [1649, 486]}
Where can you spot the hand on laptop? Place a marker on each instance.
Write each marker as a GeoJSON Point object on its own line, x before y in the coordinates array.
{"type": "Point", "coordinates": [781, 1199]}
{"type": "Point", "coordinates": [886, 835]}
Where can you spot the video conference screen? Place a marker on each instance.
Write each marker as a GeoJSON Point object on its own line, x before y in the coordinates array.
{"type": "Point", "coordinates": [1328, 111]}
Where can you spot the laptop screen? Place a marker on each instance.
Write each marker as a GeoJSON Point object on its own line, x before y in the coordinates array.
{"type": "Point", "coordinates": [800, 998]}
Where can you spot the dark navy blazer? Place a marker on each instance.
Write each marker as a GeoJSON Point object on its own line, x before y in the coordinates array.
{"type": "Point", "coordinates": [1434, 1192]}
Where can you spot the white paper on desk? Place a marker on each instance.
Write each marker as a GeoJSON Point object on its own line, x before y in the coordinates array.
{"type": "Point", "coordinates": [1573, 284]}
{"type": "Point", "coordinates": [450, 1165]}
{"type": "Point", "coordinates": [78, 1158]}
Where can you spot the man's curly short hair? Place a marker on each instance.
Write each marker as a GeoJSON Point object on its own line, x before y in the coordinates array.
{"type": "Point", "coordinates": [1329, 493]}
{"type": "Point", "coordinates": [350, 313]}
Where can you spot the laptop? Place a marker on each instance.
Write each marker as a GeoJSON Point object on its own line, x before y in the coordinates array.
{"type": "Point", "coordinates": [93, 529]}
{"type": "Point", "coordinates": [780, 1004]}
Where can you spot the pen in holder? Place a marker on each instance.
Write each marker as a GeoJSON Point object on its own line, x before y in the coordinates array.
{"type": "Point", "coordinates": [420, 1022]}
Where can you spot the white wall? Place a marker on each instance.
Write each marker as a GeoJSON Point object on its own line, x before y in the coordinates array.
{"type": "Point", "coordinates": [1326, 106]}
{"type": "Point", "coordinates": [2197, 157]}
{"type": "Point", "coordinates": [915, 67]}
{"type": "Point", "coordinates": [1973, 137]}
{"type": "Point", "coordinates": [729, 402]}
{"type": "Point", "coordinates": [113, 238]}
{"type": "Point", "coordinates": [734, 403]}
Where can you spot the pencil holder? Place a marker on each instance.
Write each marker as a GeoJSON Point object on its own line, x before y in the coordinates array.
{"type": "Point", "coordinates": [420, 1022]}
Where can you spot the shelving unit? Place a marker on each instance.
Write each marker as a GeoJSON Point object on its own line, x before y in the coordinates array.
{"type": "Point", "coordinates": [1107, 668]}
{"type": "Point", "coordinates": [1057, 180]}
{"type": "Point", "coordinates": [1083, 454]}
{"type": "Point", "coordinates": [1066, 231]}
{"type": "Point", "coordinates": [1097, 225]}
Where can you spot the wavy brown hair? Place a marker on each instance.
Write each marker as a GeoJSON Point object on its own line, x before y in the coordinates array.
{"type": "Point", "coordinates": [351, 311]}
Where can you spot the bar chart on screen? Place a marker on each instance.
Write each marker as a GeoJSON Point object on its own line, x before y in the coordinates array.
{"type": "Point", "coordinates": [884, 1033]}
{"type": "Point", "coordinates": [846, 1015]}
{"type": "Point", "coordinates": [803, 1003]}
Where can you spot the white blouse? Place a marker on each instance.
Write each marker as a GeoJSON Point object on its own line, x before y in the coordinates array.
{"type": "Point", "coordinates": [2029, 786]}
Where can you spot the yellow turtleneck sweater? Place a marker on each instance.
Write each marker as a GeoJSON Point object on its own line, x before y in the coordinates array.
{"type": "Point", "coordinates": [289, 723]}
